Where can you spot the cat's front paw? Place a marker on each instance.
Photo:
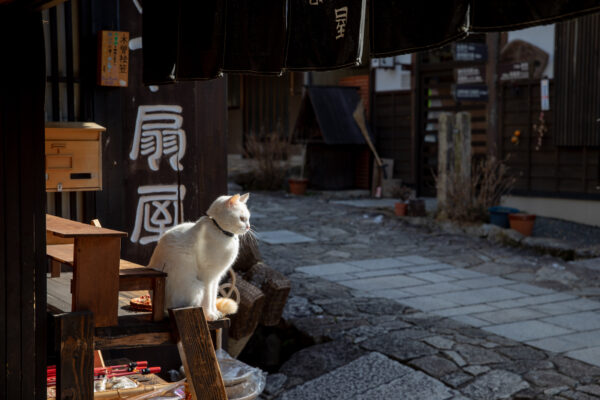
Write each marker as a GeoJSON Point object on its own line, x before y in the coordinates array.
{"type": "Point", "coordinates": [213, 315]}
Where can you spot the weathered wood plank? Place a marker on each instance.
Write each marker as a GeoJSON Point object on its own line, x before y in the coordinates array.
{"type": "Point", "coordinates": [96, 277]}
{"type": "Point", "coordinates": [197, 354]}
{"type": "Point", "coordinates": [75, 348]}
{"type": "Point", "coordinates": [131, 341]}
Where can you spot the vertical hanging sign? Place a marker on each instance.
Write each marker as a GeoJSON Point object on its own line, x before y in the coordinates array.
{"type": "Point", "coordinates": [113, 58]}
{"type": "Point", "coordinates": [545, 94]}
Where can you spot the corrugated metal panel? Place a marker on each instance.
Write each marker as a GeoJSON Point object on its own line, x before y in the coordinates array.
{"type": "Point", "coordinates": [577, 78]}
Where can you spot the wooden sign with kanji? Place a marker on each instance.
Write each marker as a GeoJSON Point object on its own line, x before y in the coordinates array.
{"type": "Point", "coordinates": [113, 58]}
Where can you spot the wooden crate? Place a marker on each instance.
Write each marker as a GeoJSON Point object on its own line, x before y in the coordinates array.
{"type": "Point", "coordinates": [73, 156]}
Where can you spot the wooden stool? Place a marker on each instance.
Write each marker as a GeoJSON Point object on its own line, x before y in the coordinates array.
{"type": "Point", "coordinates": [132, 276]}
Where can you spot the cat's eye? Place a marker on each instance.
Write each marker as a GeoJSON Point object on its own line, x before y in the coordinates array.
{"type": "Point", "coordinates": [243, 219]}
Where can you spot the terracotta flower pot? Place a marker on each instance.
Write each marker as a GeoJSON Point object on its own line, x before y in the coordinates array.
{"type": "Point", "coordinates": [298, 185]}
{"type": "Point", "coordinates": [400, 209]}
{"type": "Point", "coordinates": [522, 223]}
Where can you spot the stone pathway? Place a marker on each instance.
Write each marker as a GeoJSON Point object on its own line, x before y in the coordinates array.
{"type": "Point", "coordinates": [451, 316]}
{"type": "Point", "coordinates": [540, 317]}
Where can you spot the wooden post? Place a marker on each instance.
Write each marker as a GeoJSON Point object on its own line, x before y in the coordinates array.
{"type": "Point", "coordinates": [454, 155]}
{"type": "Point", "coordinates": [75, 348]}
{"type": "Point", "coordinates": [491, 77]}
{"type": "Point", "coordinates": [445, 149]}
{"type": "Point", "coordinates": [462, 146]}
{"type": "Point", "coordinates": [197, 353]}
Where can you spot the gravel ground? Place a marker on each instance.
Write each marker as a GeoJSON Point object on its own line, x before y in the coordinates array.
{"type": "Point", "coordinates": [572, 232]}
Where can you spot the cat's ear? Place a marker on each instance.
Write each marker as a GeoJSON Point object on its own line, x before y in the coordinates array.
{"type": "Point", "coordinates": [244, 198]}
{"type": "Point", "coordinates": [233, 200]}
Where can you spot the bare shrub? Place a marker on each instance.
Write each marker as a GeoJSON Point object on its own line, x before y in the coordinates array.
{"type": "Point", "coordinates": [469, 201]}
{"type": "Point", "coordinates": [271, 152]}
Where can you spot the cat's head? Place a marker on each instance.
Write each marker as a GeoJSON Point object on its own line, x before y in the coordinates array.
{"type": "Point", "coordinates": [231, 213]}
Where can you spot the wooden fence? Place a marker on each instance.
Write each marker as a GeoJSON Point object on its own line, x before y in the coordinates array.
{"type": "Point", "coordinates": [543, 168]}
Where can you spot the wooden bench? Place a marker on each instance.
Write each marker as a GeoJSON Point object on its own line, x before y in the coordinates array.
{"type": "Point", "coordinates": [132, 276]}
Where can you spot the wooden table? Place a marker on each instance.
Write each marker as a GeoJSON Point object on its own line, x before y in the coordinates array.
{"type": "Point", "coordinates": [95, 284]}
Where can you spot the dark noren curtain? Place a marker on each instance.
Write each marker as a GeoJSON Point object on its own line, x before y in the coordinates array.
{"type": "Point", "coordinates": [182, 40]}
{"type": "Point", "coordinates": [498, 15]}
{"type": "Point", "coordinates": [403, 26]}
{"type": "Point", "coordinates": [255, 36]}
{"type": "Point", "coordinates": [324, 35]}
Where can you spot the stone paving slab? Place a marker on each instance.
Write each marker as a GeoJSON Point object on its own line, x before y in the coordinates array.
{"type": "Point", "coordinates": [435, 288]}
{"type": "Point", "coordinates": [379, 263]}
{"type": "Point", "coordinates": [589, 355]}
{"type": "Point", "coordinates": [427, 268]}
{"type": "Point", "coordinates": [379, 272]}
{"type": "Point", "coordinates": [484, 282]}
{"type": "Point", "coordinates": [464, 310]}
{"type": "Point", "coordinates": [509, 315]}
{"type": "Point", "coordinates": [328, 269]}
{"type": "Point", "coordinates": [383, 282]}
{"type": "Point", "coordinates": [351, 380]}
{"type": "Point", "coordinates": [282, 237]}
{"type": "Point", "coordinates": [470, 320]}
{"type": "Point", "coordinates": [527, 330]}
{"type": "Point", "coordinates": [478, 296]}
{"type": "Point", "coordinates": [584, 321]}
{"type": "Point", "coordinates": [460, 273]}
{"type": "Point", "coordinates": [417, 260]}
{"type": "Point", "coordinates": [431, 277]}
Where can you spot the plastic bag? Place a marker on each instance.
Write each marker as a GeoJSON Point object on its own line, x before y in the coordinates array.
{"type": "Point", "coordinates": [242, 382]}
{"type": "Point", "coordinates": [118, 382]}
{"type": "Point", "coordinates": [175, 390]}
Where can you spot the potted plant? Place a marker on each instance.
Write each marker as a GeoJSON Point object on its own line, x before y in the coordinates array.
{"type": "Point", "coordinates": [298, 184]}
{"type": "Point", "coordinates": [404, 194]}
{"type": "Point", "coordinates": [522, 222]}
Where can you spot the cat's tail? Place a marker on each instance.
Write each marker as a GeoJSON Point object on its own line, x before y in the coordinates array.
{"type": "Point", "coordinates": [226, 306]}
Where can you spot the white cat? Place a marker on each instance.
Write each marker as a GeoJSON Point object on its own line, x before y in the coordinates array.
{"type": "Point", "coordinates": [197, 255]}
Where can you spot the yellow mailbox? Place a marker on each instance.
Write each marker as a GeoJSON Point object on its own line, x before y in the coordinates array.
{"type": "Point", "coordinates": [73, 156]}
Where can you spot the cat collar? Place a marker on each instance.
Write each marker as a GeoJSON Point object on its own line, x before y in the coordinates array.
{"type": "Point", "coordinates": [226, 233]}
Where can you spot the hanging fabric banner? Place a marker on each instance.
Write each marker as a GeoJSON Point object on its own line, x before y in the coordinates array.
{"type": "Point", "coordinates": [182, 40]}
{"type": "Point", "coordinates": [160, 27]}
{"type": "Point", "coordinates": [502, 15]}
{"type": "Point", "coordinates": [255, 36]}
{"type": "Point", "coordinates": [201, 39]}
{"type": "Point", "coordinates": [324, 35]}
{"type": "Point", "coordinates": [401, 26]}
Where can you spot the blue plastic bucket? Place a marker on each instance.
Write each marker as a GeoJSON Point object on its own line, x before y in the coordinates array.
{"type": "Point", "coordinates": [499, 215]}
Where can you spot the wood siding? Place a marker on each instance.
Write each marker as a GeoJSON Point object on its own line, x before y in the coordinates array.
{"type": "Point", "coordinates": [22, 200]}
{"type": "Point", "coordinates": [392, 119]}
{"type": "Point", "coordinates": [553, 170]}
{"type": "Point", "coordinates": [577, 80]}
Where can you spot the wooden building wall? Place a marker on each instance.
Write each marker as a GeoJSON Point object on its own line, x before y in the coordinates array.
{"type": "Point", "coordinates": [392, 121]}
{"type": "Point", "coordinates": [22, 200]}
{"type": "Point", "coordinates": [140, 196]}
{"type": "Point", "coordinates": [200, 173]}
{"type": "Point", "coordinates": [551, 170]}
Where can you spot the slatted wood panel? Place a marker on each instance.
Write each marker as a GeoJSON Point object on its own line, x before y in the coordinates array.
{"type": "Point", "coordinates": [266, 104]}
{"type": "Point", "coordinates": [552, 170]}
{"type": "Point", "coordinates": [63, 89]}
{"type": "Point", "coordinates": [22, 236]}
{"type": "Point", "coordinates": [435, 96]}
{"type": "Point", "coordinates": [392, 119]}
{"type": "Point", "coordinates": [577, 79]}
